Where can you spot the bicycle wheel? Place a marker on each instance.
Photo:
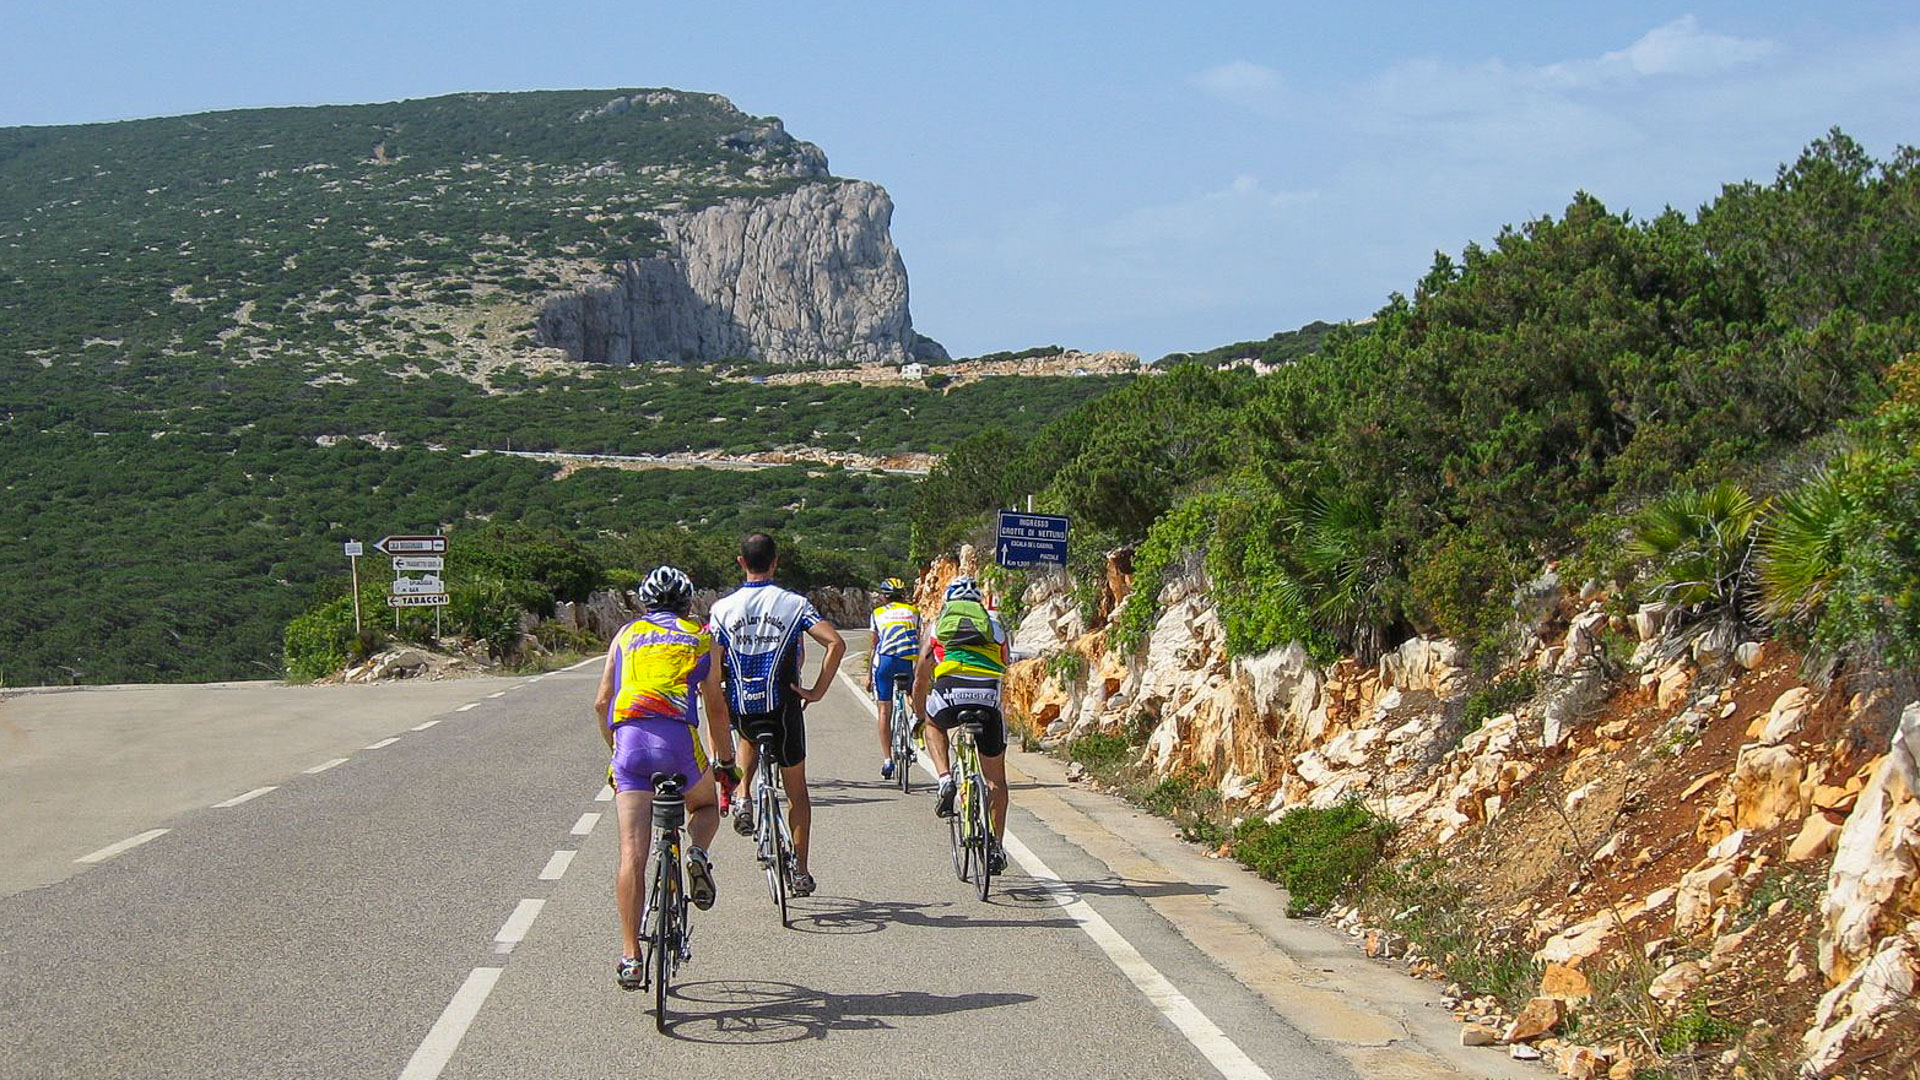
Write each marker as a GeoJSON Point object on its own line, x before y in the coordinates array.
{"type": "Point", "coordinates": [959, 844]}
{"type": "Point", "coordinates": [902, 742]}
{"type": "Point", "coordinates": [983, 834]}
{"type": "Point", "coordinates": [663, 941]}
{"type": "Point", "coordinates": [773, 843]}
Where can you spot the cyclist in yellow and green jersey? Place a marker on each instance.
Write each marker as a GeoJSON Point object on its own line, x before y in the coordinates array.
{"type": "Point", "coordinates": [896, 645]}
{"type": "Point", "coordinates": [961, 667]}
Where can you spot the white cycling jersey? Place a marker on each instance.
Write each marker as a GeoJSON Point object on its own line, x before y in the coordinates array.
{"type": "Point", "coordinates": [760, 625]}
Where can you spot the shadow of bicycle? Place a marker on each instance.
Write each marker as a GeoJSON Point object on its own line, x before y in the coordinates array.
{"type": "Point", "coordinates": [756, 1012]}
{"type": "Point", "coordinates": [840, 915]}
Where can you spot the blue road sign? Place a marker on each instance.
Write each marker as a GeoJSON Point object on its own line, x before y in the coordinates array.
{"type": "Point", "coordinates": [1031, 539]}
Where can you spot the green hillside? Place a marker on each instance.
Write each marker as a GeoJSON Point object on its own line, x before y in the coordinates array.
{"type": "Point", "coordinates": [1721, 410]}
{"type": "Point", "coordinates": [208, 324]}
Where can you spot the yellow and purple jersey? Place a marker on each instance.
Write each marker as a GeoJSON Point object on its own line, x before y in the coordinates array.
{"type": "Point", "coordinates": [659, 661]}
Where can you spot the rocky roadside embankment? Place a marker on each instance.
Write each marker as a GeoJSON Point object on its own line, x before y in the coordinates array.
{"type": "Point", "coordinates": [1698, 860]}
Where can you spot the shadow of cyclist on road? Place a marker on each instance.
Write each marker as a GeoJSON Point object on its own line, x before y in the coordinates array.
{"type": "Point", "coordinates": [747, 1012]}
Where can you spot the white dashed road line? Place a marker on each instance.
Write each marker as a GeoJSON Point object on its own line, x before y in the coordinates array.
{"type": "Point", "coordinates": [514, 930]}
{"type": "Point", "coordinates": [605, 794]}
{"type": "Point", "coordinates": [423, 727]}
{"type": "Point", "coordinates": [557, 866]}
{"type": "Point", "coordinates": [128, 844]}
{"type": "Point", "coordinates": [497, 693]}
{"type": "Point", "coordinates": [382, 744]}
{"type": "Point", "coordinates": [468, 705]}
{"type": "Point", "coordinates": [438, 1047]}
{"type": "Point", "coordinates": [585, 824]}
{"type": "Point", "coordinates": [325, 765]}
{"type": "Point", "coordinates": [238, 799]}
{"type": "Point", "coordinates": [1206, 1037]}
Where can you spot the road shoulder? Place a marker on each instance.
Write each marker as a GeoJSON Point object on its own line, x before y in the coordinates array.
{"type": "Point", "coordinates": [1381, 1021]}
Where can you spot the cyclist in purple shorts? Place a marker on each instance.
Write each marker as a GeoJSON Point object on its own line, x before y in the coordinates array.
{"type": "Point", "coordinates": [647, 712]}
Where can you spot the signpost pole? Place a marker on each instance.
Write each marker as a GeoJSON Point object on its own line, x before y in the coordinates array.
{"type": "Point", "coordinates": [354, 561]}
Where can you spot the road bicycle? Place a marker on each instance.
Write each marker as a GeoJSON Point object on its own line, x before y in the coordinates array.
{"type": "Point", "coordinates": [971, 827]}
{"type": "Point", "coordinates": [902, 737]}
{"type": "Point", "coordinates": [772, 836]}
{"type": "Point", "coordinates": [665, 934]}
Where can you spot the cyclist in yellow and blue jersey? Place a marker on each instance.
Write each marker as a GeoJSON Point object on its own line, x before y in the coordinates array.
{"type": "Point", "coordinates": [648, 712]}
{"type": "Point", "coordinates": [896, 645]}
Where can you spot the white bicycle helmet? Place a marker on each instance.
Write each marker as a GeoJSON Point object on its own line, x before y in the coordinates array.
{"type": "Point", "coordinates": [964, 588]}
{"type": "Point", "coordinates": [666, 589]}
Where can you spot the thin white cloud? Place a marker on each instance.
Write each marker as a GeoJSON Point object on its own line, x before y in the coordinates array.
{"type": "Point", "coordinates": [1242, 82]}
{"type": "Point", "coordinates": [1680, 48]}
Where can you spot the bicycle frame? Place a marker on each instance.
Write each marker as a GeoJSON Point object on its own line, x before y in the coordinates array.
{"type": "Point", "coordinates": [772, 835]}
{"type": "Point", "coordinates": [970, 828]}
{"type": "Point", "coordinates": [665, 933]}
{"type": "Point", "coordinates": [903, 755]}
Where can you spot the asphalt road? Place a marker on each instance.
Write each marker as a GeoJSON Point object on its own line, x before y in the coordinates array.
{"type": "Point", "coordinates": [441, 904]}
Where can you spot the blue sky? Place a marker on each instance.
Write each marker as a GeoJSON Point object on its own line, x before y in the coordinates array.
{"type": "Point", "coordinates": [1148, 177]}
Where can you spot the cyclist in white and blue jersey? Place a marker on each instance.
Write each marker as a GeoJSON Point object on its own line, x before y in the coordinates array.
{"type": "Point", "coordinates": [896, 645]}
{"type": "Point", "coordinates": [757, 631]}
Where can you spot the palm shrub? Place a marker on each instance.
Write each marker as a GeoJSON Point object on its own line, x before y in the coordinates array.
{"type": "Point", "coordinates": [1803, 546]}
{"type": "Point", "coordinates": [1345, 574]}
{"type": "Point", "coordinates": [1702, 545]}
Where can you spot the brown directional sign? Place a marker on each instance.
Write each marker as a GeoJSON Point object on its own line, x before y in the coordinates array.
{"type": "Point", "coordinates": [411, 545]}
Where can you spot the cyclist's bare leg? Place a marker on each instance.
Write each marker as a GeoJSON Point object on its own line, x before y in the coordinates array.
{"type": "Point", "coordinates": [995, 770]}
{"type": "Point", "coordinates": [635, 812]}
{"type": "Point", "coordinates": [885, 705]}
{"type": "Point", "coordinates": [937, 748]}
{"type": "Point", "coordinates": [800, 812]}
{"type": "Point", "coordinates": [703, 811]}
{"type": "Point", "coordinates": [749, 770]}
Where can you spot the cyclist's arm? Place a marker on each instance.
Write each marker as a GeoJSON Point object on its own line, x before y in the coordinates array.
{"type": "Point", "coordinates": [836, 646]}
{"type": "Point", "coordinates": [922, 681]}
{"type": "Point", "coordinates": [603, 701]}
{"type": "Point", "coordinates": [714, 700]}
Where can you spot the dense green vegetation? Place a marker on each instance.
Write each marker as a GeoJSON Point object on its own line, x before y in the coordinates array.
{"type": "Point", "coordinates": [1283, 347]}
{"type": "Point", "coordinates": [209, 324]}
{"type": "Point", "coordinates": [182, 558]}
{"type": "Point", "coordinates": [1526, 403]}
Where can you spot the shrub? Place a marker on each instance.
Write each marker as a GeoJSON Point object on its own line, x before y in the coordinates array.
{"type": "Point", "coordinates": [1497, 697]}
{"type": "Point", "coordinates": [1316, 855]}
{"type": "Point", "coordinates": [316, 643]}
{"type": "Point", "coordinates": [1100, 751]}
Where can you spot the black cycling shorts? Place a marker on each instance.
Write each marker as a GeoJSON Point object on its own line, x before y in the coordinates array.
{"type": "Point", "coordinates": [788, 726]}
{"type": "Point", "coordinates": [992, 739]}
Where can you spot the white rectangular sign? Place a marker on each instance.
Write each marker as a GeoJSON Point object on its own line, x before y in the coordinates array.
{"type": "Point", "coordinates": [420, 586]}
{"type": "Point", "coordinates": [354, 549]}
{"type": "Point", "coordinates": [418, 600]}
{"type": "Point", "coordinates": [418, 562]}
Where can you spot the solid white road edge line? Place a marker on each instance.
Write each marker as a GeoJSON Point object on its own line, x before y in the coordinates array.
{"type": "Point", "coordinates": [438, 1047]}
{"type": "Point", "coordinates": [423, 727]}
{"type": "Point", "coordinates": [128, 844]}
{"type": "Point", "coordinates": [238, 799]}
{"type": "Point", "coordinates": [468, 705]}
{"type": "Point", "coordinates": [1205, 1036]}
{"type": "Point", "coordinates": [1219, 1050]}
{"type": "Point", "coordinates": [585, 824]}
{"type": "Point", "coordinates": [515, 928]}
{"type": "Point", "coordinates": [382, 744]}
{"type": "Point", "coordinates": [557, 866]}
{"type": "Point", "coordinates": [584, 663]}
{"type": "Point", "coordinates": [325, 765]}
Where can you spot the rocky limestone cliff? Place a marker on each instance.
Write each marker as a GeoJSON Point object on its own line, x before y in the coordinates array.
{"type": "Point", "coordinates": [807, 277]}
{"type": "Point", "coordinates": [1708, 825]}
